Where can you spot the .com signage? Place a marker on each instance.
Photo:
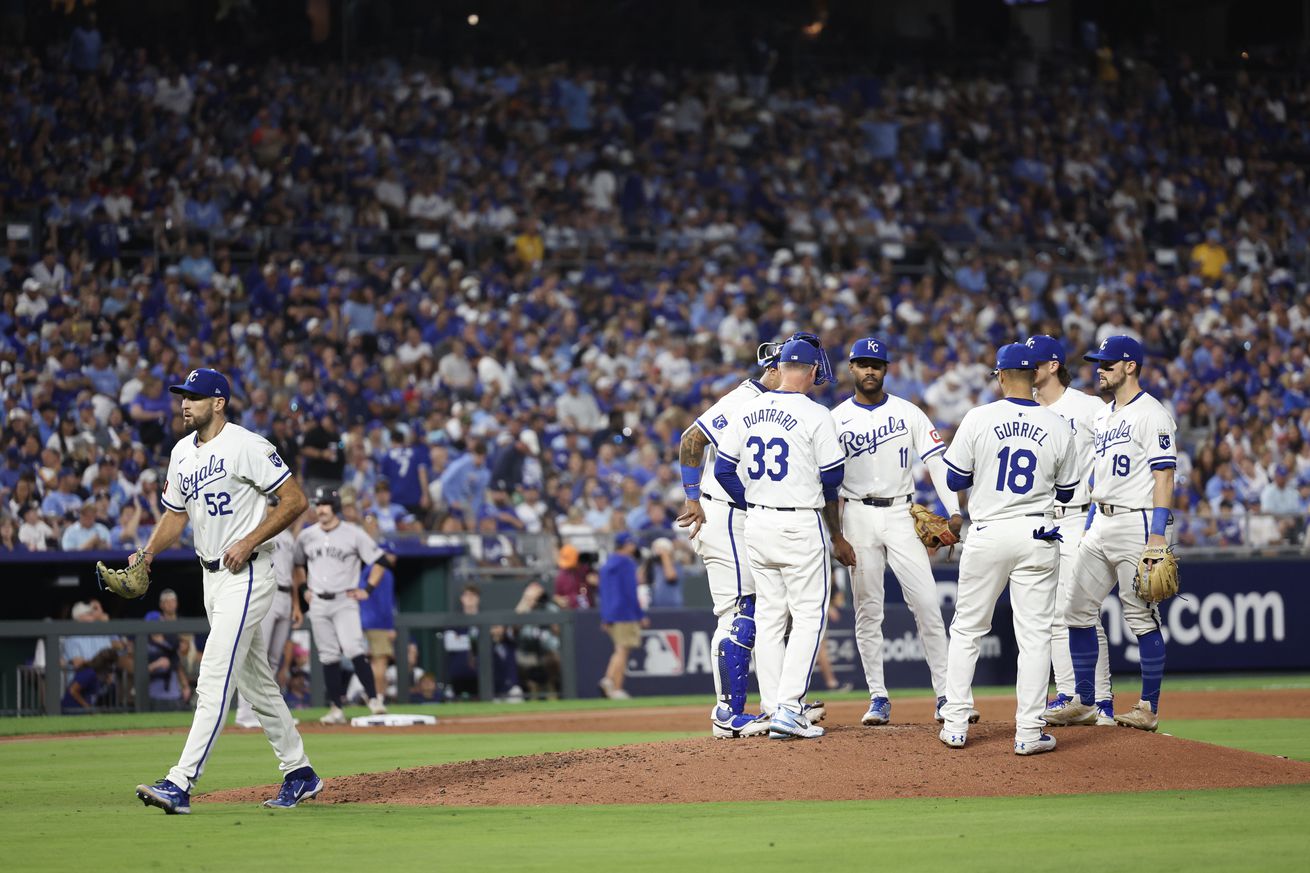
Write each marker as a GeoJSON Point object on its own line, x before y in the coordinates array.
{"type": "Point", "coordinates": [1221, 621]}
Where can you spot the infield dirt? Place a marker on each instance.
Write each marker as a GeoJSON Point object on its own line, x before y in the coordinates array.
{"type": "Point", "coordinates": [903, 759]}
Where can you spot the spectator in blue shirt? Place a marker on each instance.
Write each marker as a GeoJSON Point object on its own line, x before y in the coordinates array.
{"type": "Point", "coordinates": [87, 534]}
{"type": "Point", "coordinates": [65, 502]}
{"type": "Point", "coordinates": [377, 614]}
{"type": "Point", "coordinates": [464, 481]}
{"type": "Point", "coordinates": [407, 469]}
{"type": "Point", "coordinates": [92, 685]}
{"type": "Point", "coordinates": [621, 615]}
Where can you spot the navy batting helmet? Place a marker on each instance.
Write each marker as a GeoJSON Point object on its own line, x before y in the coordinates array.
{"type": "Point", "coordinates": [328, 496]}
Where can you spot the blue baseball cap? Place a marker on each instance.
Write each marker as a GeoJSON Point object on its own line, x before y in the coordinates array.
{"type": "Point", "coordinates": [1118, 348]}
{"type": "Point", "coordinates": [623, 538]}
{"type": "Point", "coordinates": [1046, 348]}
{"type": "Point", "coordinates": [1015, 356]}
{"type": "Point", "coordinates": [798, 351]}
{"type": "Point", "coordinates": [205, 382]}
{"type": "Point", "coordinates": [872, 348]}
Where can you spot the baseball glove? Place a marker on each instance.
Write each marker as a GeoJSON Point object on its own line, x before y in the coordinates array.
{"type": "Point", "coordinates": [1157, 574]}
{"type": "Point", "coordinates": [933, 530]}
{"type": "Point", "coordinates": [131, 582]}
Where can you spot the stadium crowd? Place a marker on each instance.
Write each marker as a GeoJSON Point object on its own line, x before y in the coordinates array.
{"type": "Point", "coordinates": [489, 300]}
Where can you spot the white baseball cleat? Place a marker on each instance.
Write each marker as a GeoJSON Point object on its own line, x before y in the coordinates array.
{"type": "Point", "coordinates": [789, 725]}
{"type": "Point", "coordinates": [758, 727]}
{"type": "Point", "coordinates": [952, 739]}
{"type": "Point", "coordinates": [1064, 712]}
{"type": "Point", "coordinates": [1105, 713]}
{"type": "Point", "coordinates": [248, 723]}
{"type": "Point", "coordinates": [334, 716]}
{"type": "Point", "coordinates": [377, 706]}
{"type": "Point", "coordinates": [1044, 743]}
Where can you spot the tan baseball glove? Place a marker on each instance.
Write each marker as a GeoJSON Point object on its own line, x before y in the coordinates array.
{"type": "Point", "coordinates": [129, 583]}
{"type": "Point", "coordinates": [1157, 574]}
{"type": "Point", "coordinates": [933, 530]}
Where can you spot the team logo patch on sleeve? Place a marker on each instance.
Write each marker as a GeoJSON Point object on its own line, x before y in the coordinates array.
{"type": "Point", "coordinates": [720, 423]}
{"type": "Point", "coordinates": [275, 459]}
{"type": "Point", "coordinates": [1164, 440]}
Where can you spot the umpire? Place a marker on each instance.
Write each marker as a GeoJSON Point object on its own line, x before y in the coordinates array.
{"type": "Point", "coordinates": [330, 555]}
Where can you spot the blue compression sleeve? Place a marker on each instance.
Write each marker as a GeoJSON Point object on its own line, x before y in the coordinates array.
{"type": "Point", "coordinates": [831, 480]}
{"type": "Point", "coordinates": [726, 472]}
{"type": "Point", "coordinates": [956, 482]}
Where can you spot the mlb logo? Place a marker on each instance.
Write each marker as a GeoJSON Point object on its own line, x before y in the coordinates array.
{"type": "Point", "coordinates": [720, 423]}
{"type": "Point", "coordinates": [662, 653]}
{"type": "Point", "coordinates": [1164, 440]}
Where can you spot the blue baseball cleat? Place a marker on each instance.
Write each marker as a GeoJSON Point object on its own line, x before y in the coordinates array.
{"type": "Point", "coordinates": [167, 796]}
{"type": "Point", "coordinates": [729, 725]}
{"type": "Point", "coordinates": [880, 712]}
{"type": "Point", "coordinates": [302, 784]}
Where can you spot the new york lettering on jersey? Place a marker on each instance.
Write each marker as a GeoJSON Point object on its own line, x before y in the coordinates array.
{"type": "Point", "coordinates": [1017, 455]}
{"type": "Point", "coordinates": [713, 421]}
{"type": "Point", "coordinates": [1130, 442]}
{"type": "Point", "coordinates": [881, 443]}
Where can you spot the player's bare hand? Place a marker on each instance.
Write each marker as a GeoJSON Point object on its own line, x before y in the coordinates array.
{"type": "Point", "coordinates": [357, 594]}
{"type": "Point", "coordinates": [693, 516]}
{"type": "Point", "coordinates": [956, 522]}
{"type": "Point", "coordinates": [148, 557]}
{"type": "Point", "coordinates": [844, 551]}
{"type": "Point", "coordinates": [237, 554]}
{"type": "Point", "coordinates": [297, 616]}
{"type": "Point", "coordinates": [645, 622]}
{"type": "Point", "coordinates": [1156, 540]}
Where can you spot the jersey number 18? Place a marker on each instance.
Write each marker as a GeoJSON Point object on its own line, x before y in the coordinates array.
{"type": "Point", "coordinates": [1016, 471]}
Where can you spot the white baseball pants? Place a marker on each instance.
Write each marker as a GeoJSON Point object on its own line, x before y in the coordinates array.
{"type": "Point", "coordinates": [1109, 554]}
{"type": "Point", "coordinates": [236, 604]}
{"type": "Point", "coordinates": [721, 544]}
{"type": "Point", "coordinates": [789, 559]}
{"type": "Point", "coordinates": [998, 553]}
{"type": "Point", "coordinates": [275, 629]}
{"type": "Point", "coordinates": [1071, 528]}
{"type": "Point", "coordinates": [885, 536]}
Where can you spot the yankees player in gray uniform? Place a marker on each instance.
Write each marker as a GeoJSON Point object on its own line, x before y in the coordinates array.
{"type": "Point", "coordinates": [282, 616]}
{"type": "Point", "coordinates": [882, 435]}
{"type": "Point", "coordinates": [218, 478]}
{"type": "Point", "coordinates": [330, 554]}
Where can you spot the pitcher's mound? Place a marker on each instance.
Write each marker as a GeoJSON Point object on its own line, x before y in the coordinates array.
{"type": "Point", "coordinates": [849, 763]}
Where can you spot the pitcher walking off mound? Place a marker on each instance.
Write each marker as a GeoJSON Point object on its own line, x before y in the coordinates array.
{"type": "Point", "coordinates": [793, 465]}
{"type": "Point", "coordinates": [1018, 459]}
{"type": "Point", "coordinates": [218, 477]}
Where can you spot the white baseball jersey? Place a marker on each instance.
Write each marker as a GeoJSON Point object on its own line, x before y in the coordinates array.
{"type": "Point", "coordinates": [714, 421]}
{"type": "Point", "coordinates": [333, 558]}
{"type": "Point", "coordinates": [781, 442]}
{"type": "Point", "coordinates": [1082, 410]}
{"type": "Point", "coordinates": [881, 443]}
{"type": "Point", "coordinates": [1129, 442]}
{"type": "Point", "coordinates": [1018, 454]}
{"type": "Point", "coordinates": [221, 485]}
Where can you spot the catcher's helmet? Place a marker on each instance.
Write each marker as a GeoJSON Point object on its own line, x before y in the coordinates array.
{"type": "Point", "coordinates": [328, 496]}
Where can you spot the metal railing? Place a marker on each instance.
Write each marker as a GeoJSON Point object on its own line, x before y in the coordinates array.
{"type": "Point", "coordinates": [52, 677]}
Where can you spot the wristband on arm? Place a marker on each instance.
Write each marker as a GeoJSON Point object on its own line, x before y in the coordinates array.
{"type": "Point", "coordinates": [1159, 520]}
{"type": "Point", "coordinates": [691, 482]}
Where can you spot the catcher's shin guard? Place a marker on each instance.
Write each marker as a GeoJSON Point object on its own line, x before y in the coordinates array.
{"type": "Point", "coordinates": [733, 656]}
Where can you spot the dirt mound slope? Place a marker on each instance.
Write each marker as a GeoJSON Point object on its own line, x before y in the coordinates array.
{"type": "Point", "coordinates": [849, 763]}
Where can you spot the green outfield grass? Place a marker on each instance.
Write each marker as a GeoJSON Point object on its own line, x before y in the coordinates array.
{"type": "Point", "coordinates": [68, 804]}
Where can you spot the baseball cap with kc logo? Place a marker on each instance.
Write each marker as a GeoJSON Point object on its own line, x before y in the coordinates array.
{"type": "Point", "coordinates": [206, 383]}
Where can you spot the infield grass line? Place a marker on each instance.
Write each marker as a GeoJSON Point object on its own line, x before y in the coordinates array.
{"type": "Point", "coordinates": [109, 722]}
